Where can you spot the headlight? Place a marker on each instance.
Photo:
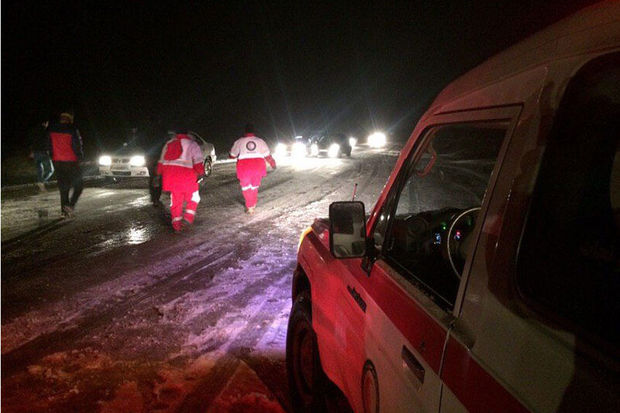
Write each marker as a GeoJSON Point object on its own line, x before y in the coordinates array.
{"type": "Point", "coordinates": [333, 150]}
{"type": "Point", "coordinates": [298, 150]}
{"type": "Point", "coordinates": [376, 140]}
{"type": "Point", "coordinates": [137, 160]}
{"type": "Point", "coordinates": [280, 149]}
{"type": "Point", "coordinates": [105, 160]}
{"type": "Point", "coordinates": [352, 142]}
{"type": "Point", "coordinates": [314, 149]}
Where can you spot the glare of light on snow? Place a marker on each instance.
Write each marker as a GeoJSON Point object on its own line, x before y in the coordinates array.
{"type": "Point", "coordinates": [313, 163]}
{"type": "Point", "coordinates": [136, 235]}
{"type": "Point", "coordinates": [104, 194]}
{"type": "Point", "coordinates": [139, 202]}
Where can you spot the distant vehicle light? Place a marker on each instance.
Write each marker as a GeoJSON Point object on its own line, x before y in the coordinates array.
{"type": "Point", "coordinates": [377, 140]}
{"type": "Point", "coordinates": [334, 150]}
{"type": "Point", "coordinates": [280, 150]}
{"type": "Point", "coordinates": [105, 160]}
{"type": "Point", "coordinates": [298, 150]}
{"type": "Point", "coordinates": [352, 141]}
{"type": "Point", "coordinates": [314, 149]}
{"type": "Point", "coordinates": [137, 160]}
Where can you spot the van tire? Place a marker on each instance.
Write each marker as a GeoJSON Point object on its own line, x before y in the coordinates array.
{"type": "Point", "coordinates": [306, 378]}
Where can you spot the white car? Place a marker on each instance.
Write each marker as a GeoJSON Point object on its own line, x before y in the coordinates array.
{"type": "Point", "coordinates": [133, 160]}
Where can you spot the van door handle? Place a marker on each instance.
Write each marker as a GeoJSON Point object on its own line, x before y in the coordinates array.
{"type": "Point", "coordinates": [413, 364]}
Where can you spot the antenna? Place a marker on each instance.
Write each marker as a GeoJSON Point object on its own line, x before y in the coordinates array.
{"type": "Point", "coordinates": [354, 192]}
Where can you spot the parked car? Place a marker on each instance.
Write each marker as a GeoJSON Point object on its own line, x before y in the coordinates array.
{"type": "Point", "coordinates": [208, 152]}
{"type": "Point", "coordinates": [133, 159]}
{"type": "Point", "coordinates": [485, 278]}
{"type": "Point", "coordinates": [333, 145]}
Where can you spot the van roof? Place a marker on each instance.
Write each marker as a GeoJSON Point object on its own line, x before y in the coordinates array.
{"type": "Point", "coordinates": [594, 28]}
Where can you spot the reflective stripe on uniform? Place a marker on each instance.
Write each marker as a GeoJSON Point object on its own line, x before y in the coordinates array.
{"type": "Point", "coordinates": [190, 211]}
{"type": "Point", "coordinates": [246, 188]}
{"type": "Point", "coordinates": [178, 162]}
{"type": "Point", "coordinates": [252, 155]}
{"type": "Point", "coordinates": [177, 219]}
{"type": "Point", "coordinates": [196, 196]}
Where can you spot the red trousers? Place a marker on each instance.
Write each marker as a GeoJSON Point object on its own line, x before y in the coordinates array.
{"type": "Point", "coordinates": [250, 172]}
{"type": "Point", "coordinates": [249, 188]}
{"type": "Point", "coordinates": [177, 199]}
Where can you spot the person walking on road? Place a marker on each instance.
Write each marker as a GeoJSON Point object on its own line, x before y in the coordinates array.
{"type": "Point", "coordinates": [39, 152]}
{"type": "Point", "coordinates": [65, 146]}
{"type": "Point", "coordinates": [181, 165]}
{"type": "Point", "coordinates": [251, 153]}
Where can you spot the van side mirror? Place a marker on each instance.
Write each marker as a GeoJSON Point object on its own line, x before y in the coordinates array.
{"type": "Point", "coordinates": [347, 229]}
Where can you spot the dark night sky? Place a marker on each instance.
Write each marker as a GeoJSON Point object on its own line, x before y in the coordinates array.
{"type": "Point", "coordinates": [213, 66]}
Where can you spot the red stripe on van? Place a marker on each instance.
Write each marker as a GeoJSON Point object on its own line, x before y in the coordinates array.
{"type": "Point", "coordinates": [473, 386]}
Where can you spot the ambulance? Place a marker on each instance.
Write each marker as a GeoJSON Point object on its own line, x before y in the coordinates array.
{"type": "Point", "coordinates": [486, 277]}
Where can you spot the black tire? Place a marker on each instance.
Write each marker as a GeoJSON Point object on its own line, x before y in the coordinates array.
{"type": "Point", "coordinates": [208, 167]}
{"type": "Point", "coordinates": [307, 381]}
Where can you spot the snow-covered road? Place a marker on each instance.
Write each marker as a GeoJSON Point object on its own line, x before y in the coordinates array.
{"type": "Point", "coordinates": [112, 312]}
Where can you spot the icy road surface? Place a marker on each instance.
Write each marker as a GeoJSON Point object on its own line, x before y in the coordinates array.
{"type": "Point", "coordinates": [112, 312]}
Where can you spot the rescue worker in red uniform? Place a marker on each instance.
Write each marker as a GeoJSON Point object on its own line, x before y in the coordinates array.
{"type": "Point", "coordinates": [180, 165]}
{"type": "Point", "coordinates": [251, 153]}
{"type": "Point", "coordinates": [65, 147]}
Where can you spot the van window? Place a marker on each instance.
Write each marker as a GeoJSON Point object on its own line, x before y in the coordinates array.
{"type": "Point", "coordinates": [429, 237]}
{"type": "Point", "coordinates": [568, 262]}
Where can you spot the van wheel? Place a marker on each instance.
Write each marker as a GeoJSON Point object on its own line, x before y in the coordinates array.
{"type": "Point", "coordinates": [305, 374]}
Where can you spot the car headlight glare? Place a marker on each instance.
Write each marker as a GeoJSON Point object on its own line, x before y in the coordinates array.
{"type": "Point", "coordinates": [105, 160]}
{"type": "Point", "coordinates": [333, 150]}
{"type": "Point", "coordinates": [137, 160]}
{"type": "Point", "coordinates": [314, 149]}
{"type": "Point", "coordinates": [298, 150]}
{"type": "Point", "coordinates": [280, 149]}
{"type": "Point", "coordinates": [352, 142]}
{"type": "Point", "coordinates": [376, 140]}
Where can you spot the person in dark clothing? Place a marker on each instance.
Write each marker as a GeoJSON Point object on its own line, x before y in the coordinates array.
{"type": "Point", "coordinates": [65, 145]}
{"type": "Point", "coordinates": [153, 153]}
{"type": "Point", "coordinates": [39, 152]}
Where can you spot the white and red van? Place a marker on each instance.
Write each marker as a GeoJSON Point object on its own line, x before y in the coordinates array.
{"type": "Point", "coordinates": [486, 277]}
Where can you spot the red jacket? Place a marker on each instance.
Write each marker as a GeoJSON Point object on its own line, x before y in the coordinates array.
{"type": "Point", "coordinates": [180, 164]}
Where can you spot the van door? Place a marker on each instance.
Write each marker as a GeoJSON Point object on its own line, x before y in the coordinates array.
{"type": "Point", "coordinates": [424, 235]}
{"type": "Point", "coordinates": [541, 307]}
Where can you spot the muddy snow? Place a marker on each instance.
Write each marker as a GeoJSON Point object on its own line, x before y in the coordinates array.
{"type": "Point", "coordinates": [113, 312]}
